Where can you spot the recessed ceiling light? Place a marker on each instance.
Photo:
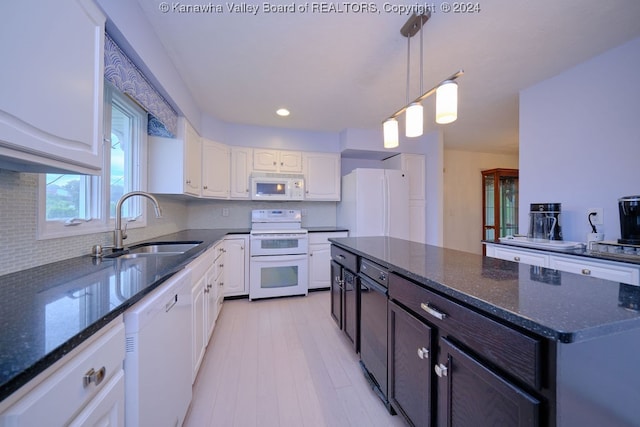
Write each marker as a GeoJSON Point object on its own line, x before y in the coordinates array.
{"type": "Point", "coordinates": [283, 112]}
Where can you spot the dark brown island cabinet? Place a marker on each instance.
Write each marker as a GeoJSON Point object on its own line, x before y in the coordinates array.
{"type": "Point", "coordinates": [344, 299]}
{"type": "Point", "coordinates": [482, 373]}
{"type": "Point", "coordinates": [450, 363]}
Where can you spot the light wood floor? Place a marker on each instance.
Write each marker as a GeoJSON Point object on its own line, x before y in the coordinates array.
{"type": "Point", "coordinates": [282, 362]}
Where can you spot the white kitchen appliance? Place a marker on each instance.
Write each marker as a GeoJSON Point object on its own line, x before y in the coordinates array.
{"type": "Point", "coordinates": [375, 202]}
{"type": "Point", "coordinates": [158, 355]}
{"type": "Point", "coordinates": [279, 254]}
{"type": "Point", "coordinates": [277, 186]}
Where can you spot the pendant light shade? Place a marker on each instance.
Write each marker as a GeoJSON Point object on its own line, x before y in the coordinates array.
{"type": "Point", "coordinates": [446, 91]}
{"type": "Point", "coordinates": [414, 119]}
{"type": "Point", "coordinates": [447, 102]}
{"type": "Point", "coordinates": [390, 131]}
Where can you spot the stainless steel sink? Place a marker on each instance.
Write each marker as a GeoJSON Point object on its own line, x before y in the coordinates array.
{"type": "Point", "coordinates": [155, 249]}
{"type": "Point", "coordinates": [163, 248]}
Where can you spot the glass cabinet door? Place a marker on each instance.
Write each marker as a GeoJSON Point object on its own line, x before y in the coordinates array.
{"type": "Point", "coordinates": [500, 203]}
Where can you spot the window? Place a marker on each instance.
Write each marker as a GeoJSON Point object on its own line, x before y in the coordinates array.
{"type": "Point", "coordinates": [82, 204]}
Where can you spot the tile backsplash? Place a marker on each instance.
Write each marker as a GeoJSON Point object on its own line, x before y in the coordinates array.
{"type": "Point", "coordinates": [19, 248]}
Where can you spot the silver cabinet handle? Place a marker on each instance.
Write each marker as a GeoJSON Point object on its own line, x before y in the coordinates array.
{"type": "Point", "coordinates": [93, 376]}
{"type": "Point", "coordinates": [432, 311]}
{"type": "Point", "coordinates": [423, 353]}
{"type": "Point", "coordinates": [516, 258]}
{"type": "Point", "coordinates": [441, 370]}
{"type": "Point", "coordinates": [586, 271]}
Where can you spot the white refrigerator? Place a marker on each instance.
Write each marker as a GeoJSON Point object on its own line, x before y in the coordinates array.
{"type": "Point", "coordinates": [375, 202]}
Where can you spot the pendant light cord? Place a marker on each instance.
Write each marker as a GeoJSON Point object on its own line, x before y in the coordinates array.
{"type": "Point", "coordinates": [408, 65]}
{"type": "Point", "coordinates": [421, 50]}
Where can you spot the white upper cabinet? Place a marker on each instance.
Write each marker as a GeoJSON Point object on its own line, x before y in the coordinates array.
{"type": "Point", "coordinates": [215, 170]}
{"type": "Point", "coordinates": [322, 176]}
{"type": "Point", "coordinates": [51, 81]}
{"type": "Point", "coordinates": [241, 158]}
{"type": "Point", "coordinates": [277, 161]}
{"type": "Point", "coordinates": [175, 165]}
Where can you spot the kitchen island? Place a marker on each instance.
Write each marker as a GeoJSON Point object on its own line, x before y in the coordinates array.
{"type": "Point", "coordinates": [561, 340]}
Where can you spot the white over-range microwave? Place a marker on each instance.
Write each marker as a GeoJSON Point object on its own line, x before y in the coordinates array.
{"type": "Point", "coordinates": [277, 186]}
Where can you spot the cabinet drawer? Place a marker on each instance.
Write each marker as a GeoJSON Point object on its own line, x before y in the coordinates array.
{"type": "Point", "coordinates": [514, 352]}
{"type": "Point", "coordinates": [62, 395]}
{"type": "Point", "coordinates": [344, 258]}
{"type": "Point", "coordinates": [616, 273]}
{"type": "Point", "coordinates": [532, 258]}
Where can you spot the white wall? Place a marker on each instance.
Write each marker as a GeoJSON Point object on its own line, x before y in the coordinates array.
{"type": "Point", "coordinates": [580, 141]}
{"type": "Point", "coordinates": [463, 195]}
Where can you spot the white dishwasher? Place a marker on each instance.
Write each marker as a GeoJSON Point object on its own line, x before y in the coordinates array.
{"type": "Point", "coordinates": [158, 355]}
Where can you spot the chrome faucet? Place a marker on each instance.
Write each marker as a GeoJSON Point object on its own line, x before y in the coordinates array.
{"type": "Point", "coordinates": [118, 234]}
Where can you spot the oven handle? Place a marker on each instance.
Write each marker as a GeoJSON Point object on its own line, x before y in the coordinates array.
{"type": "Point", "coordinates": [267, 236]}
{"type": "Point", "coordinates": [368, 283]}
{"type": "Point", "coordinates": [279, 258]}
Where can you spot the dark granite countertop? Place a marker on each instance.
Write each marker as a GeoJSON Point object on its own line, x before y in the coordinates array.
{"type": "Point", "coordinates": [582, 252]}
{"type": "Point", "coordinates": [560, 306]}
{"type": "Point", "coordinates": [47, 311]}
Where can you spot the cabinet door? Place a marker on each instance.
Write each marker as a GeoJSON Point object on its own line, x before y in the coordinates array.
{"type": "Point", "coordinates": [336, 293]}
{"type": "Point", "coordinates": [319, 269]}
{"type": "Point", "coordinates": [211, 300]}
{"type": "Point", "coordinates": [198, 301]}
{"type": "Point", "coordinates": [290, 161]}
{"type": "Point", "coordinates": [516, 255]}
{"type": "Point", "coordinates": [265, 160]}
{"type": "Point", "coordinates": [322, 176]}
{"type": "Point", "coordinates": [240, 171]}
{"type": "Point", "coordinates": [51, 81]}
{"type": "Point", "coordinates": [613, 272]}
{"type": "Point", "coordinates": [470, 394]}
{"type": "Point", "coordinates": [215, 170]}
{"type": "Point", "coordinates": [410, 355]}
{"type": "Point", "coordinates": [106, 409]}
{"type": "Point", "coordinates": [235, 265]}
{"type": "Point", "coordinates": [350, 306]}
{"type": "Point", "coordinates": [192, 162]}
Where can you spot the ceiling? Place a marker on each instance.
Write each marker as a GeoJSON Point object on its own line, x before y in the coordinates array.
{"type": "Point", "coordinates": [348, 70]}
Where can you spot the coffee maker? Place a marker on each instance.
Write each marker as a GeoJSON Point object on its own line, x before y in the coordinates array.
{"type": "Point", "coordinates": [544, 221]}
{"type": "Point", "coordinates": [629, 208]}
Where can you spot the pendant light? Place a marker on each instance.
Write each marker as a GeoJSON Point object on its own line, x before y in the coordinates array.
{"type": "Point", "coordinates": [415, 111]}
{"type": "Point", "coordinates": [447, 102]}
{"type": "Point", "coordinates": [390, 131]}
{"type": "Point", "coordinates": [446, 90]}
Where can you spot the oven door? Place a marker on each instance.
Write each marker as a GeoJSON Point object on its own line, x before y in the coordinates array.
{"type": "Point", "coordinates": [270, 243]}
{"type": "Point", "coordinates": [277, 276]}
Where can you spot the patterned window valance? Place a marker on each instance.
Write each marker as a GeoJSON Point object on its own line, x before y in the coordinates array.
{"type": "Point", "coordinates": [124, 75]}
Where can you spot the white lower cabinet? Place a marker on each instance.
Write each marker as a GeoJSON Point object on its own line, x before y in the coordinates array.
{"type": "Point", "coordinates": [86, 388]}
{"type": "Point", "coordinates": [518, 255]}
{"type": "Point", "coordinates": [107, 408]}
{"type": "Point", "coordinates": [320, 258]}
{"type": "Point", "coordinates": [236, 261]}
{"type": "Point", "coordinates": [603, 269]}
{"type": "Point", "coordinates": [202, 271]}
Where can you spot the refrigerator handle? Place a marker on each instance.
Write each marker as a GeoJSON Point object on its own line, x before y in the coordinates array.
{"type": "Point", "coordinates": [385, 204]}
